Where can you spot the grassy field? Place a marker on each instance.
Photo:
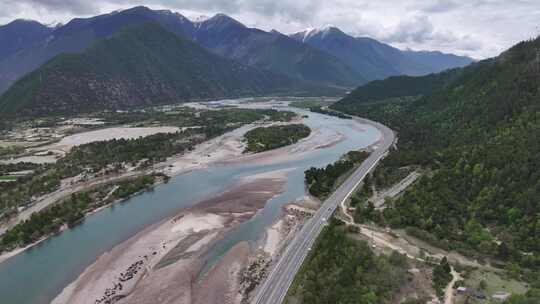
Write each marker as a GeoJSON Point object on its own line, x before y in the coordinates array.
{"type": "Point", "coordinates": [494, 282]}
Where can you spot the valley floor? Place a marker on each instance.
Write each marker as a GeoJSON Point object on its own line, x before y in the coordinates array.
{"type": "Point", "coordinates": [163, 263]}
{"type": "Point", "coordinates": [168, 256]}
{"type": "Point", "coordinates": [223, 149]}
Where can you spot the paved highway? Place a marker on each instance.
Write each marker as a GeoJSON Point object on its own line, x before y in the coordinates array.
{"type": "Point", "coordinates": [274, 288]}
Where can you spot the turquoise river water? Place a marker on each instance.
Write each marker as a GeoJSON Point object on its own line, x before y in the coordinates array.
{"type": "Point", "coordinates": [38, 274]}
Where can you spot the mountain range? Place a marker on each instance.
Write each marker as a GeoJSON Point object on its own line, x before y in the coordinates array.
{"type": "Point", "coordinates": [271, 51]}
{"type": "Point", "coordinates": [20, 34]}
{"type": "Point", "coordinates": [327, 59]}
{"type": "Point", "coordinates": [375, 60]}
{"type": "Point", "coordinates": [140, 65]}
{"type": "Point", "coordinates": [75, 36]}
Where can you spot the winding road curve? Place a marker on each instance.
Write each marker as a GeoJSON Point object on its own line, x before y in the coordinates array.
{"type": "Point", "coordinates": [274, 288]}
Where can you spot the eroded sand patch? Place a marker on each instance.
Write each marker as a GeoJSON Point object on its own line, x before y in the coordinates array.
{"type": "Point", "coordinates": [174, 281]}
{"type": "Point", "coordinates": [198, 222]}
{"type": "Point", "coordinates": [68, 142]}
{"type": "Point", "coordinates": [273, 237]}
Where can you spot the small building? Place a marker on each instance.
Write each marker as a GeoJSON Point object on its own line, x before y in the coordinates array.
{"type": "Point", "coordinates": [461, 290]}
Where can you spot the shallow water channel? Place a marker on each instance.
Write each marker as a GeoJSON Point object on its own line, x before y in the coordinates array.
{"type": "Point", "coordinates": [38, 274]}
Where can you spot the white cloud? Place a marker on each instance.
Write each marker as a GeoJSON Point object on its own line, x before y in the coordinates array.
{"type": "Point", "coordinates": [479, 28]}
{"type": "Point", "coordinates": [413, 30]}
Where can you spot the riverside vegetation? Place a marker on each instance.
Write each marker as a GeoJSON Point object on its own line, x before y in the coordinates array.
{"type": "Point", "coordinates": [72, 210]}
{"type": "Point", "coordinates": [307, 103]}
{"type": "Point", "coordinates": [320, 110]}
{"type": "Point", "coordinates": [476, 129]}
{"type": "Point", "coordinates": [322, 181]}
{"type": "Point", "coordinates": [273, 137]}
{"type": "Point", "coordinates": [110, 157]}
{"type": "Point", "coordinates": [113, 156]}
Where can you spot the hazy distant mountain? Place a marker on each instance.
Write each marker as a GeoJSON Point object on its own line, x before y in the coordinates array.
{"type": "Point", "coordinates": [16, 37]}
{"type": "Point", "coordinates": [326, 57]}
{"type": "Point", "coordinates": [221, 34]}
{"type": "Point", "coordinates": [20, 34]}
{"type": "Point", "coordinates": [376, 60]}
{"type": "Point", "coordinates": [138, 66]}
{"type": "Point", "coordinates": [398, 87]}
{"type": "Point", "coordinates": [438, 61]}
{"type": "Point", "coordinates": [77, 35]}
{"type": "Point", "coordinates": [271, 50]}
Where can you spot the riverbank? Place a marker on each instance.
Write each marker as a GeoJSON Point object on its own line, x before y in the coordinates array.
{"type": "Point", "coordinates": [162, 262]}
{"type": "Point", "coordinates": [70, 253]}
{"type": "Point", "coordinates": [223, 148]}
{"type": "Point", "coordinates": [179, 259]}
{"type": "Point", "coordinates": [93, 206]}
{"type": "Point", "coordinates": [154, 284]}
{"type": "Point", "coordinates": [271, 245]}
{"type": "Point", "coordinates": [8, 254]}
{"type": "Point", "coordinates": [316, 140]}
{"type": "Point", "coordinates": [227, 148]}
{"type": "Point", "coordinates": [135, 158]}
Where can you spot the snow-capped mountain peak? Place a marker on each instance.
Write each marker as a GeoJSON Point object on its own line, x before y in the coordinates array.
{"type": "Point", "coordinates": [311, 32]}
{"type": "Point", "coordinates": [200, 18]}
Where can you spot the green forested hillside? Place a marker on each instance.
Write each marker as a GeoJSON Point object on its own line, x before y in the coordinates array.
{"type": "Point", "coordinates": [137, 66]}
{"type": "Point", "coordinates": [399, 87]}
{"type": "Point", "coordinates": [343, 270]}
{"type": "Point", "coordinates": [480, 136]}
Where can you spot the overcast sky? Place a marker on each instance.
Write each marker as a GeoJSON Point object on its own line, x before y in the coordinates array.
{"type": "Point", "coordinates": [478, 28]}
